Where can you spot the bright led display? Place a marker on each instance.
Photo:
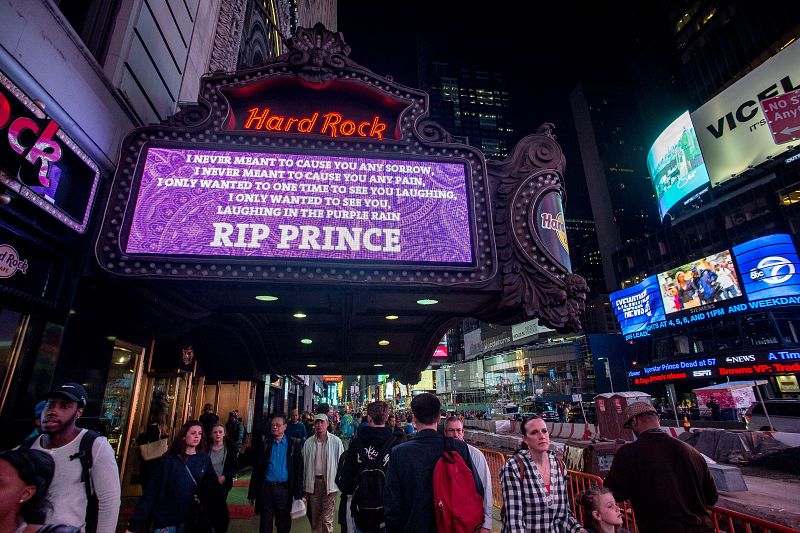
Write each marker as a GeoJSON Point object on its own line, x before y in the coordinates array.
{"type": "Point", "coordinates": [676, 165]}
{"type": "Point", "coordinates": [268, 205]}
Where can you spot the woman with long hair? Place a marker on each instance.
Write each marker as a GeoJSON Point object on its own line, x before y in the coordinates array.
{"type": "Point", "coordinates": [601, 514]}
{"type": "Point", "coordinates": [25, 476]}
{"type": "Point", "coordinates": [168, 503]}
{"type": "Point", "coordinates": [223, 458]}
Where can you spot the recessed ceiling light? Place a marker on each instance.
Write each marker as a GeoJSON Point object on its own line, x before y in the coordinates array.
{"type": "Point", "coordinates": [392, 317]}
{"type": "Point", "coordinates": [311, 365]}
{"type": "Point", "coordinates": [377, 365]}
{"type": "Point", "coordinates": [299, 315]}
{"type": "Point", "coordinates": [383, 342]}
{"type": "Point", "coordinates": [266, 298]}
{"type": "Point", "coordinates": [306, 341]}
{"type": "Point", "coordinates": [427, 301]}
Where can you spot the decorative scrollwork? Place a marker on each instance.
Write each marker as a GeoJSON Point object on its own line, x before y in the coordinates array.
{"type": "Point", "coordinates": [315, 53]}
{"type": "Point", "coordinates": [534, 284]}
{"type": "Point", "coordinates": [188, 116]}
{"type": "Point", "coordinates": [431, 131]}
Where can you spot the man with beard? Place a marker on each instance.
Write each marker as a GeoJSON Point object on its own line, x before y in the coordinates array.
{"type": "Point", "coordinates": [68, 445]}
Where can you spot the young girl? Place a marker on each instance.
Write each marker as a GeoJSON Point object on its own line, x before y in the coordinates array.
{"type": "Point", "coordinates": [601, 514]}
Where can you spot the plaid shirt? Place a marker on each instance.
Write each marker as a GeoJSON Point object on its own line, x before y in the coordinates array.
{"type": "Point", "coordinates": [530, 508]}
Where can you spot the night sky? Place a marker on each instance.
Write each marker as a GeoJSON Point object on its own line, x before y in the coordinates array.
{"type": "Point", "coordinates": [544, 51]}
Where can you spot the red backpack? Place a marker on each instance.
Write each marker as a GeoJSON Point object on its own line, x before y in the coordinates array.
{"type": "Point", "coordinates": [457, 501]}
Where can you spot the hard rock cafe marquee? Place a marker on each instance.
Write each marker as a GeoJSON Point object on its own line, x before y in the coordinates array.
{"type": "Point", "coordinates": [314, 170]}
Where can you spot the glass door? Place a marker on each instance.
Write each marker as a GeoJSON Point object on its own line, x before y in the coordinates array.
{"type": "Point", "coordinates": [115, 411]}
{"type": "Point", "coordinates": [164, 400]}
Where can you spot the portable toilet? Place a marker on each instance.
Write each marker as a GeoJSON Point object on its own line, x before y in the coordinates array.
{"type": "Point", "coordinates": [610, 409]}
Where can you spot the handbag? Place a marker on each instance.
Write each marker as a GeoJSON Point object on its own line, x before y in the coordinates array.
{"type": "Point", "coordinates": [153, 450]}
{"type": "Point", "coordinates": [298, 509]}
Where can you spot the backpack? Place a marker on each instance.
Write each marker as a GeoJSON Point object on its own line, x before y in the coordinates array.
{"type": "Point", "coordinates": [367, 503]}
{"type": "Point", "coordinates": [85, 456]}
{"type": "Point", "coordinates": [457, 497]}
{"type": "Point", "coordinates": [347, 426]}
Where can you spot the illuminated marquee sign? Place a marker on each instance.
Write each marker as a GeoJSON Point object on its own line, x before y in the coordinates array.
{"type": "Point", "coordinates": [41, 163]}
{"type": "Point", "coordinates": [750, 365]}
{"type": "Point", "coordinates": [331, 124]}
{"type": "Point", "coordinates": [339, 108]}
{"type": "Point", "coordinates": [761, 273]}
{"type": "Point", "coordinates": [256, 205]}
{"type": "Point", "coordinates": [333, 378]}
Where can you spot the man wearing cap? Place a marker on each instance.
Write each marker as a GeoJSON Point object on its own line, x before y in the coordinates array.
{"type": "Point", "coordinates": [61, 438]}
{"type": "Point", "coordinates": [321, 459]}
{"type": "Point", "coordinates": [667, 481]}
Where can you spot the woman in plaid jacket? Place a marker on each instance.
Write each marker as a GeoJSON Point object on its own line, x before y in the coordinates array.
{"type": "Point", "coordinates": [535, 486]}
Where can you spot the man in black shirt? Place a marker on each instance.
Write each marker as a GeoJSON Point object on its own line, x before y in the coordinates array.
{"type": "Point", "coordinates": [408, 497]}
{"type": "Point", "coordinates": [667, 481]}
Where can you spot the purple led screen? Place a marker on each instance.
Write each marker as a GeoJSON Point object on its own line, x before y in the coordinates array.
{"type": "Point", "coordinates": [249, 204]}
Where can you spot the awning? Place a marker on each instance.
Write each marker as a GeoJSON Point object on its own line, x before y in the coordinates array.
{"type": "Point", "coordinates": [731, 385]}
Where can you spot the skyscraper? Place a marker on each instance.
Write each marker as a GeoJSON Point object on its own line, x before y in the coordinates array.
{"type": "Point", "coordinates": [470, 102]}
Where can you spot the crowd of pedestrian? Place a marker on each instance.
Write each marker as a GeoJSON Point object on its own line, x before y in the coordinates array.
{"type": "Point", "coordinates": [396, 472]}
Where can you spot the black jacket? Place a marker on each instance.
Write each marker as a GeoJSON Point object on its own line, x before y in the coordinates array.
{"type": "Point", "coordinates": [368, 437]}
{"type": "Point", "coordinates": [168, 497]}
{"type": "Point", "coordinates": [408, 496]}
{"type": "Point", "coordinates": [294, 466]}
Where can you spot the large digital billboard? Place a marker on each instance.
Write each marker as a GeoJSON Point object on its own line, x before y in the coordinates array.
{"type": "Point", "coordinates": [698, 283]}
{"type": "Point", "coordinates": [761, 273]}
{"type": "Point", "coordinates": [676, 165]}
{"type": "Point", "coordinates": [769, 267]}
{"type": "Point", "coordinates": [272, 205]}
{"type": "Point", "coordinates": [732, 128]}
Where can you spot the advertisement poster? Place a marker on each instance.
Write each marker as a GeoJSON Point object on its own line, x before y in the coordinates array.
{"type": "Point", "coordinates": [245, 204]}
{"type": "Point", "coordinates": [676, 165]}
{"type": "Point", "coordinates": [731, 127]}
{"type": "Point", "coordinates": [769, 267]}
{"type": "Point", "coordinates": [700, 282]}
{"type": "Point", "coordinates": [638, 306]}
{"type": "Point", "coordinates": [759, 274]}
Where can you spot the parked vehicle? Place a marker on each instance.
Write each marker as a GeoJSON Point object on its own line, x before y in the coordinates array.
{"type": "Point", "coordinates": [784, 414]}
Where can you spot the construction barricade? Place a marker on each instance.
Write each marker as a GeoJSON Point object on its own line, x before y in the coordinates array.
{"type": "Point", "coordinates": [725, 520]}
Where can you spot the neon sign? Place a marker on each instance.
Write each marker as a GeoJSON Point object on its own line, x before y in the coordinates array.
{"type": "Point", "coordinates": [41, 163]}
{"type": "Point", "coordinates": [332, 124]}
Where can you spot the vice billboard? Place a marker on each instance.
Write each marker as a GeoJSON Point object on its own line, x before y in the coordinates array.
{"type": "Point", "coordinates": [761, 273]}
{"type": "Point", "coordinates": [753, 120]}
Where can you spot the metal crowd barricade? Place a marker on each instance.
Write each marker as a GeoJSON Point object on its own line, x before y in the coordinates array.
{"type": "Point", "coordinates": [728, 521]}
{"type": "Point", "coordinates": [725, 520]}
{"type": "Point", "coordinates": [496, 460]}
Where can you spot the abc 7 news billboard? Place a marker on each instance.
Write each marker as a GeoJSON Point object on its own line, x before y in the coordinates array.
{"type": "Point", "coordinates": [767, 274]}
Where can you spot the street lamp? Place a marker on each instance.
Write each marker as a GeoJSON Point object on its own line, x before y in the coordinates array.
{"type": "Point", "coordinates": [608, 372]}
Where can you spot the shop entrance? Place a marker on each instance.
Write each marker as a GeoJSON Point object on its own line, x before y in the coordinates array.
{"type": "Point", "coordinates": [163, 400]}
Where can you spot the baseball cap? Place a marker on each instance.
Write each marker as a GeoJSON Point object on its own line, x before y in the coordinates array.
{"type": "Point", "coordinates": [321, 416]}
{"type": "Point", "coordinates": [635, 409]}
{"type": "Point", "coordinates": [71, 391]}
